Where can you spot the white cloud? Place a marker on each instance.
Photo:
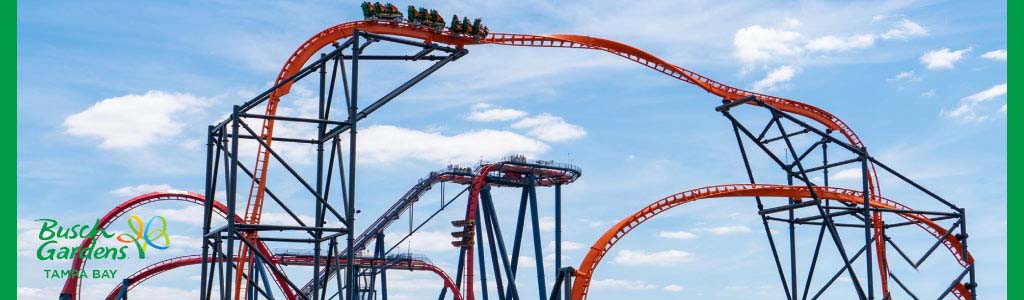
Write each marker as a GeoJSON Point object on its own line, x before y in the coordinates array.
{"type": "Point", "coordinates": [905, 29]}
{"type": "Point", "coordinates": [834, 43]}
{"type": "Point", "coordinates": [653, 258]}
{"type": "Point", "coordinates": [725, 230]}
{"type": "Point", "coordinates": [192, 215]}
{"type": "Point", "coordinates": [546, 224]}
{"type": "Point", "coordinates": [182, 244]}
{"type": "Point", "coordinates": [943, 58]}
{"type": "Point", "coordinates": [757, 44]}
{"type": "Point", "coordinates": [681, 235]}
{"type": "Point", "coordinates": [905, 76]}
{"type": "Point", "coordinates": [999, 55]}
{"type": "Point", "coordinates": [761, 44]}
{"type": "Point", "coordinates": [620, 284]}
{"type": "Point", "coordinates": [847, 174]}
{"type": "Point", "coordinates": [281, 218]}
{"type": "Point", "coordinates": [966, 111]}
{"type": "Point", "coordinates": [595, 223]}
{"type": "Point", "coordinates": [32, 293]}
{"type": "Point", "coordinates": [673, 288]}
{"type": "Point", "coordinates": [483, 112]}
{"type": "Point", "coordinates": [135, 190]}
{"type": "Point", "coordinates": [133, 121]}
{"type": "Point", "coordinates": [550, 128]}
{"type": "Point", "coordinates": [566, 245]}
{"type": "Point", "coordinates": [384, 143]}
{"type": "Point", "coordinates": [777, 76]}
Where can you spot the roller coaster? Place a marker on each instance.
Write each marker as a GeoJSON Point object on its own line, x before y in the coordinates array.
{"type": "Point", "coordinates": [236, 262]}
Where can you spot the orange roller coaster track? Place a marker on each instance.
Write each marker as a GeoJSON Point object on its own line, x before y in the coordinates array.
{"type": "Point", "coordinates": [344, 30]}
{"type": "Point", "coordinates": [614, 234]}
{"type": "Point", "coordinates": [296, 67]}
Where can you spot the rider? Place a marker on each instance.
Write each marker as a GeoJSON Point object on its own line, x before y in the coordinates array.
{"type": "Point", "coordinates": [455, 24]}
{"type": "Point", "coordinates": [367, 10]}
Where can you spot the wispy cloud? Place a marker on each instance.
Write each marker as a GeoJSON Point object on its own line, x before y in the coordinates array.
{"type": "Point", "coordinates": [967, 110]}
{"type": "Point", "coordinates": [681, 235]}
{"type": "Point", "coordinates": [133, 121]}
{"type": "Point", "coordinates": [998, 55]}
{"type": "Point", "coordinates": [566, 245]}
{"type": "Point", "coordinates": [550, 128]}
{"type": "Point", "coordinates": [943, 58]}
{"type": "Point", "coordinates": [786, 44]}
{"type": "Point", "coordinates": [775, 78]}
{"type": "Point", "coordinates": [483, 112]}
{"type": "Point", "coordinates": [652, 258]}
{"type": "Point", "coordinates": [386, 143]}
{"type": "Point", "coordinates": [756, 43]}
{"type": "Point", "coordinates": [725, 230]}
{"type": "Point", "coordinates": [905, 29]}
{"type": "Point", "coordinates": [135, 190]}
{"type": "Point", "coordinates": [834, 43]}
{"type": "Point", "coordinates": [847, 175]}
{"type": "Point", "coordinates": [905, 76]}
{"type": "Point", "coordinates": [622, 284]}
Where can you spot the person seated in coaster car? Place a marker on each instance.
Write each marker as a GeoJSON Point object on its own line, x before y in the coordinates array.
{"type": "Point", "coordinates": [456, 26]}
{"type": "Point", "coordinates": [370, 12]}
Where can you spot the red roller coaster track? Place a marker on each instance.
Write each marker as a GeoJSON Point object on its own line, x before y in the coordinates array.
{"type": "Point", "coordinates": [623, 227]}
{"type": "Point", "coordinates": [333, 34]}
{"type": "Point", "coordinates": [188, 260]}
{"type": "Point", "coordinates": [344, 30]}
{"type": "Point", "coordinates": [73, 284]}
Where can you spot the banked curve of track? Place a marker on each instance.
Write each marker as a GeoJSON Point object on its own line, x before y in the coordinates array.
{"type": "Point", "coordinates": [344, 30]}
{"type": "Point", "coordinates": [616, 232]}
{"type": "Point", "coordinates": [72, 285]}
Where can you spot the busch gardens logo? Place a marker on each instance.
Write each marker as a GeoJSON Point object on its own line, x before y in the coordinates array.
{"type": "Point", "coordinates": [141, 237]}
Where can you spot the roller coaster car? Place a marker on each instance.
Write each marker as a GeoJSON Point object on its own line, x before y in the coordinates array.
{"type": "Point", "coordinates": [463, 234]}
{"type": "Point", "coordinates": [475, 30]}
{"type": "Point", "coordinates": [456, 25]}
{"type": "Point", "coordinates": [463, 223]}
{"type": "Point", "coordinates": [437, 21]}
{"type": "Point", "coordinates": [463, 244]}
{"type": "Point", "coordinates": [412, 17]}
{"type": "Point", "coordinates": [377, 11]}
{"type": "Point", "coordinates": [368, 10]}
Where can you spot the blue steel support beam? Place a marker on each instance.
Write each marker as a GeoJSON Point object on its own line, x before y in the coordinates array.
{"type": "Point", "coordinates": [558, 229]}
{"type": "Point", "coordinates": [379, 254]}
{"type": "Point", "coordinates": [518, 240]}
{"type": "Point", "coordinates": [480, 256]}
{"type": "Point", "coordinates": [485, 196]}
{"type": "Point", "coordinates": [537, 251]}
{"type": "Point", "coordinates": [123, 294]}
{"type": "Point", "coordinates": [500, 287]}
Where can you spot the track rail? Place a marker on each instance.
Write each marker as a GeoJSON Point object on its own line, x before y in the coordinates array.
{"type": "Point", "coordinates": [392, 213]}
{"type": "Point", "coordinates": [344, 30]}
{"type": "Point", "coordinates": [73, 284]}
{"type": "Point", "coordinates": [173, 263]}
{"type": "Point", "coordinates": [614, 234]}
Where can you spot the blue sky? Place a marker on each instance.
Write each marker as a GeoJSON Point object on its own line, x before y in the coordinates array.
{"type": "Point", "coordinates": [114, 98]}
